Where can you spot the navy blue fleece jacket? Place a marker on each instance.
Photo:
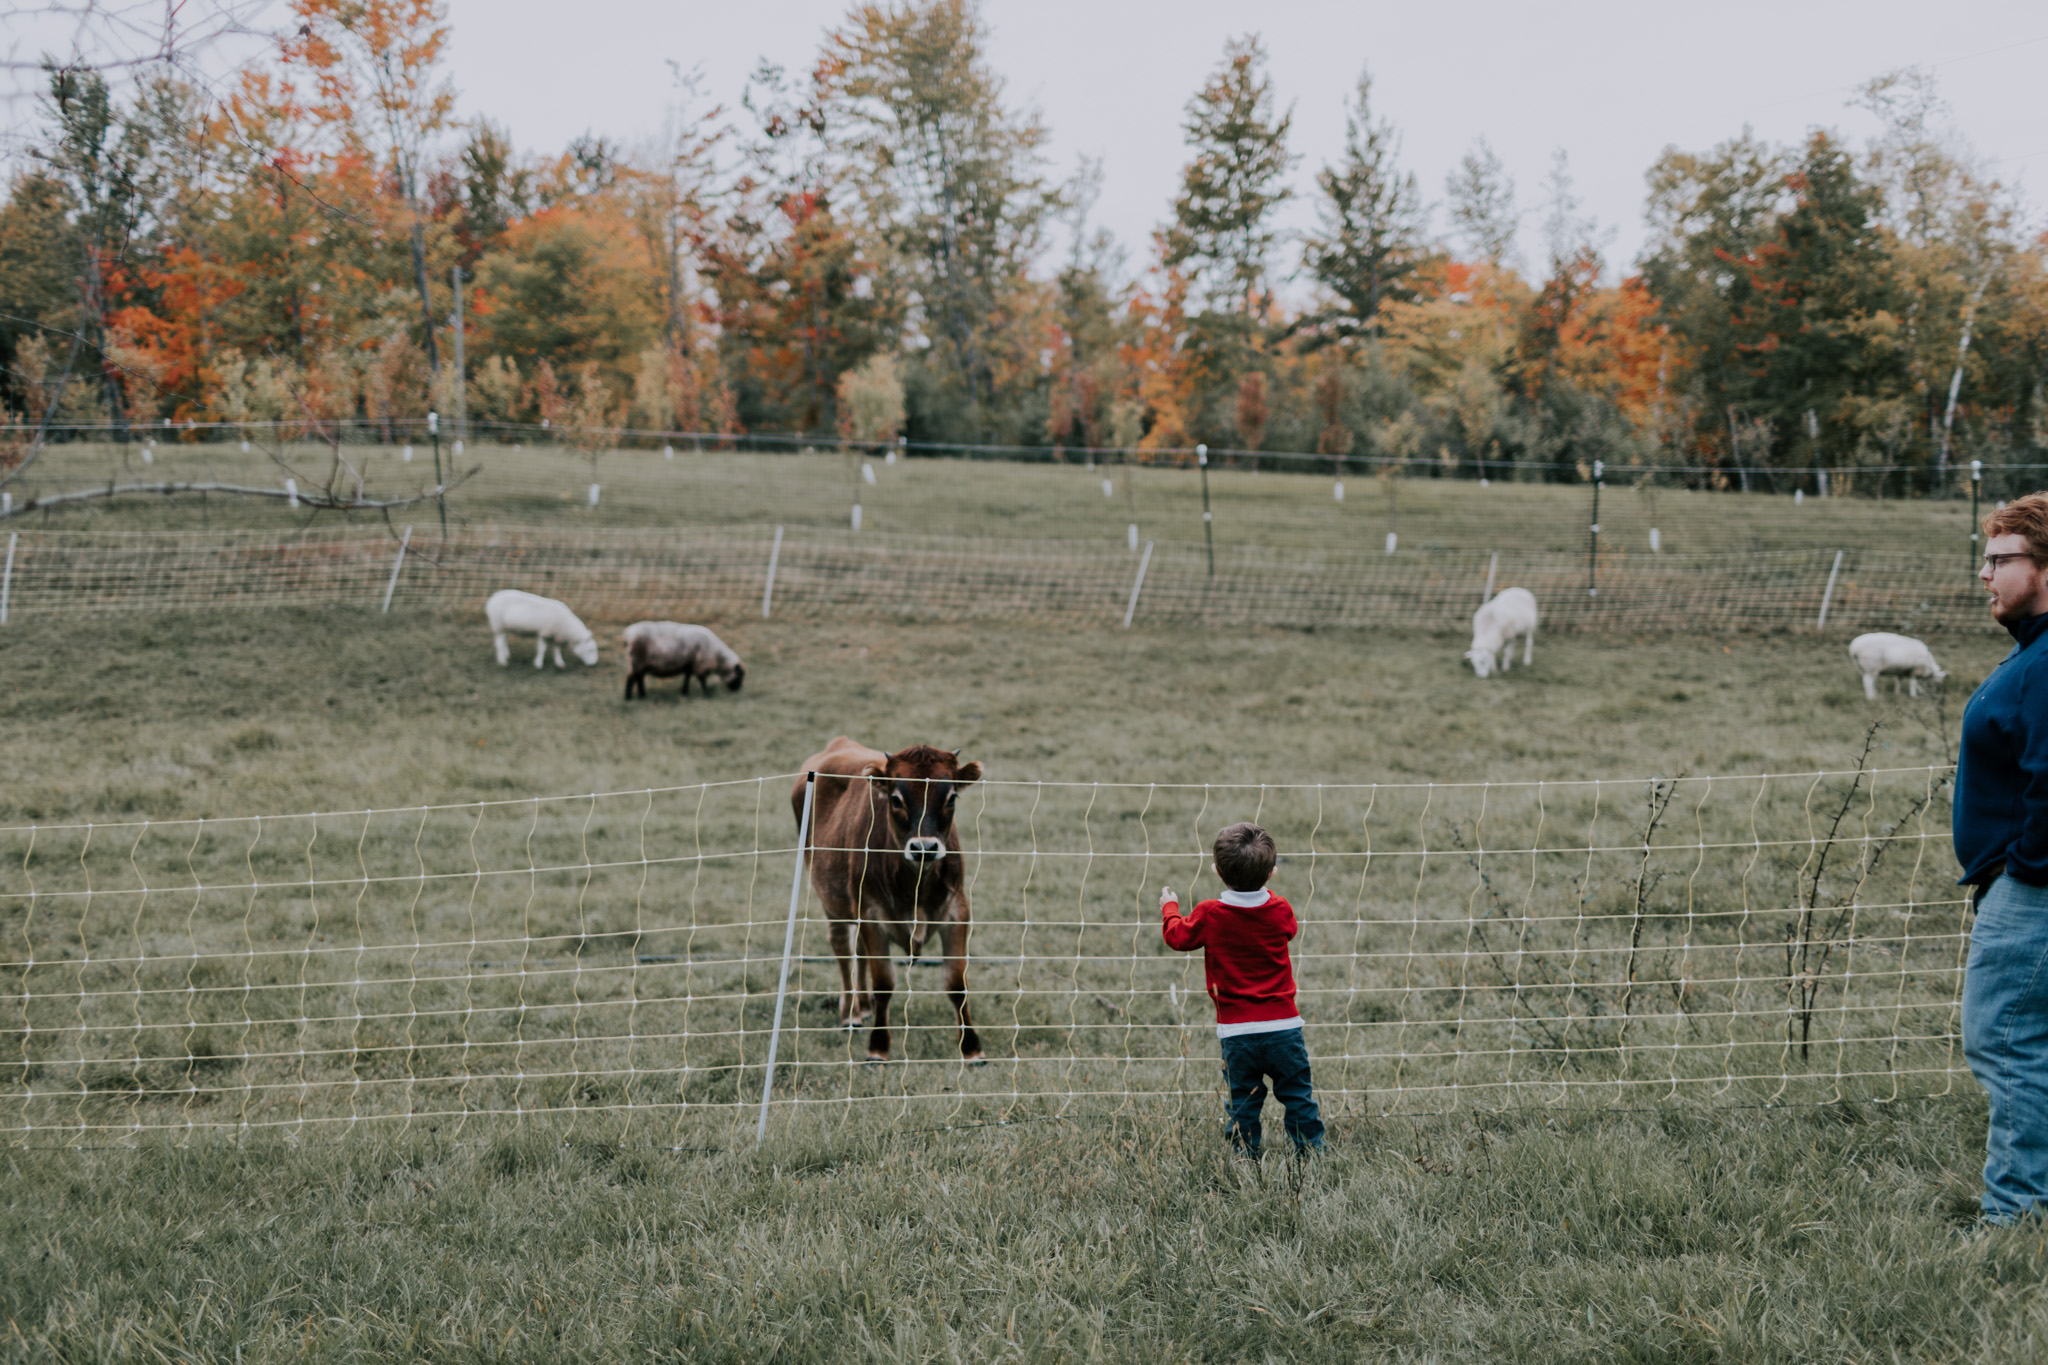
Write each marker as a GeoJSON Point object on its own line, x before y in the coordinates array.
{"type": "Point", "coordinates": [2001, 805]}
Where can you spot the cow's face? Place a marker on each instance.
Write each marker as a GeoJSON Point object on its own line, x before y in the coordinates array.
{"type": "Point", "coordinates": [919, 788]}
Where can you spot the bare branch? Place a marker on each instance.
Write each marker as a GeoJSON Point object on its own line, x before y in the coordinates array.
{"type": "Point", "coordinates": [314, 498]}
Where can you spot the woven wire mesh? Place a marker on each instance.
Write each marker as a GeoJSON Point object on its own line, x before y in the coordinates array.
{"type": "Point", "coordinates": [1734, 939]}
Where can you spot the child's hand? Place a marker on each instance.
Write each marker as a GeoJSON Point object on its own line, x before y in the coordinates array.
{"type": "Point", "coordinates": [1166, 897]}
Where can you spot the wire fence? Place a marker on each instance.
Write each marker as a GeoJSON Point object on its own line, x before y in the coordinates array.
{"type": "Point", "coordinates": [640, 956]}
{"type": "Point", "coordinates": [1113, 498]}
{"type": "Point", "coordinates": [724, 574]}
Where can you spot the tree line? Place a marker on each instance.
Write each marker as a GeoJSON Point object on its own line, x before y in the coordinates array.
{"type": "Point", "coordinates": [879, 246]}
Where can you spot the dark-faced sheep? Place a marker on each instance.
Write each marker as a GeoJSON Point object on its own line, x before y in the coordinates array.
{"type": "Point", "coordinates": [667, 649]}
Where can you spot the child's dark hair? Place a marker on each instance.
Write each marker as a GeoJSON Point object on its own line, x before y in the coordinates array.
{"type": "Point", "coordinates": [1245, 856]}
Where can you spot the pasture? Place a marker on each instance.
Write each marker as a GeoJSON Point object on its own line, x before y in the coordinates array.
{"type": "Point", "coordinates": [928, 1212]}
{"type": "Point", "coordinates": [1290, 502]}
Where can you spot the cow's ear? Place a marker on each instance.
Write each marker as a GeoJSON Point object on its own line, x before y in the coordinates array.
{"type": "Point", "coordinates": [874, 770]}
{"type": "Point", "coordinates": [969, 772]}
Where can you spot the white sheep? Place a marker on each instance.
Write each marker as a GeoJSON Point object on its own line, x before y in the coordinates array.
{"type": "Point", "coordinates": [552, 621]}
{"type": "Point", "coordinates": [666, 648]}
{"type": "Point", "coordinates": [1897, 655]}
{"type": "Point", "coordinates": [1509, 616]}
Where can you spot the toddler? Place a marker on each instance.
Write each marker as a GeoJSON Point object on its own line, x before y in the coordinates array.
{"type": "Point", "coordinates": [1243, 937]}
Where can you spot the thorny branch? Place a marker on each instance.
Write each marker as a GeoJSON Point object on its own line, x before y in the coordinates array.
{"type": "Point", "coordinates": [1806, 953]}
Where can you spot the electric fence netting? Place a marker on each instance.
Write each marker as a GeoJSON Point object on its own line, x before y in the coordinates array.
{"type": "Point", "coordinates": [616, 958]}
{"type": "Point", "coordinates": [724, 574]}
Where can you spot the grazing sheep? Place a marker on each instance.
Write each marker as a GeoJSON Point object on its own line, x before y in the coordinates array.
{"type": "Point", "coordinates": [666, 648]}
{"type": "Point", "coordinates": [1897, 655]}
{"type": "Point", "coordinates": [552, 621]}
{"type": "Point", "coordinates": [1511, 615]}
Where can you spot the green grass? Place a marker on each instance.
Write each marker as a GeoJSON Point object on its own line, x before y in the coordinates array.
{"type": "Point", "coordinates": [337, 709]}
{"type": "Point", "coordinates": [1667, 1229]}
{"type": "Point", "coordinates": [1678, 1235]}
{"type": "Point", "coordinates": [639, 488]}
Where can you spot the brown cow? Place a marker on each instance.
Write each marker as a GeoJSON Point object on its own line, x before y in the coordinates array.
{"type": "Point", "coordinates": [885, 861]}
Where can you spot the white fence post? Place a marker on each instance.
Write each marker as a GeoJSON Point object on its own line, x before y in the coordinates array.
{"type": "Point", "coordinates": [7, 576]}
{"type": "Point", "coordinates": [396, 565]}
{"type": "Point", "coordinates": [1491, 566]}
{"type": "Point", "coordinates": [1829, 595]}
{"type": "Point", "coordinates": [796, 891]}
{"type": "Point", "coordinates": [1138, 586]}
{"type": "Point", "coordinates": [774, 557]}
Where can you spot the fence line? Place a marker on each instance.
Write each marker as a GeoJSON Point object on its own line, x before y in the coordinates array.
{"type": "Point", "coordinates": [722, 575]}
{"type": "Point", "coordinates": [387, 430]}
{"type": "Point", "coordinates": [624, 956]}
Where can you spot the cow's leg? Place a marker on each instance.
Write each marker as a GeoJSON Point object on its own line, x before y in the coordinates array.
{"type": "Point", "coordinates": [632, 678]}
{"type": "Point", "coordinates": [540, 656]}
{"type": "Point", "coordinates": [956, 980]}
{"type": "Point", "coordinates": [558, 657]}
{"type": "Point", "coordinates": [1870, 686]}
{"type": "Point", "coordinates": [504, 652]}
{"type": "Point", "coordinates": [1529, 649]}
{"type": "Point", "coordinates": [839, 933]}
{"type": "Point", "coordinates": [1912, 684]}
{"type": "Point", "coordinates": [875, 955]}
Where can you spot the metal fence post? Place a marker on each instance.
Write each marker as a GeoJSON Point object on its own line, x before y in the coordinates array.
{"type": "Point", "coordinates": [434, 430]}
{"type": "Point", "coordinates": [396, 565]}
{"type": "Point", "coordinates": [1976, 486]}
{"type": "Point", "coordinates": [1829, 595]}
{"type": "Point", "coordinates": [1593, 547]}
{"type": "Point", "coordinates": [796, 891]}
{"type": "Point", "coordinates": [1208, 531]}
{"type": "Point", "coordinates": [1491, 565]}
{"type": "Point", "coordinates": [1138, 586]}
{"type": "Point", "coordinates": [774, 556]}
{"type": "Point", "coordinates": [7, 576]}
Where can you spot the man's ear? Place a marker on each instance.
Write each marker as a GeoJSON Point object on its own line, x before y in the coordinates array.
{"type": "Point", "coordinates": [969, 772]}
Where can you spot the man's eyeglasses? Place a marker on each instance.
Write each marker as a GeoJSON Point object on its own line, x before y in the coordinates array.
{"type": "Point", "coordinates": [1992, 562]}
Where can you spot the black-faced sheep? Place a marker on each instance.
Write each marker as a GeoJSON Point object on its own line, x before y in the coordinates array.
{"type": "Point", "coordinates": [668, 648]}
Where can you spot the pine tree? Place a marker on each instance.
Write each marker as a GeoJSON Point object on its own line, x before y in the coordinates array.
{"type": "Point", "coordinates": [1482, 204]}
{"type": "Point", "coordinates": [1372, 224]}
{"type": "Point", "coordinates": [1222, 230]}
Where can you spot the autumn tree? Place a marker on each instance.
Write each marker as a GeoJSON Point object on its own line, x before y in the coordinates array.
{"type": "Point", "coordinates": [376, 65]}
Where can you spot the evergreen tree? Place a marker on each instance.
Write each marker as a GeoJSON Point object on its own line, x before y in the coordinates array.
{"type": "Point", "coordinates": [1372, 225]}
{"type": "Point", "coordinates": [1222, 230]}
{"type": "Point", "coordinates": [949, 176]}
{"type": "Point", "coordinates": [1482, 203]}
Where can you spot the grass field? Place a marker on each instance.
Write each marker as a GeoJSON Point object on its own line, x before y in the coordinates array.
{"type": "Point", "coordinates": [928, 496]}
{"type": "Point", "coordinates": [1617, 1229]}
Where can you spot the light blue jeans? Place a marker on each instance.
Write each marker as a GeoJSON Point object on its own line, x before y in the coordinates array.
{"type": "Point", "coordinates": [2005, 1038]}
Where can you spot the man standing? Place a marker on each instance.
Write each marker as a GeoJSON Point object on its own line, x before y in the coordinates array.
{"type": "Point", "coordinates": [2001, 839]}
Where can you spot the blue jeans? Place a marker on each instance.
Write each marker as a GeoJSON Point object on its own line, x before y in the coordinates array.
{"type": "Point", "coordinates": [1248, 1060]}
{"type": "Point", "coordinates": [2005, 1038]}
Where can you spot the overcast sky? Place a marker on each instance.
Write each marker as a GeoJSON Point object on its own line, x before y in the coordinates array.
{"type": "Point", "coordinates": [1610, 81]}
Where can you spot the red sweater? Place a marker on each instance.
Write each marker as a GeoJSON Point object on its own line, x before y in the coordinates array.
{"type": "Point", "coordinates": [1244, 956]}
